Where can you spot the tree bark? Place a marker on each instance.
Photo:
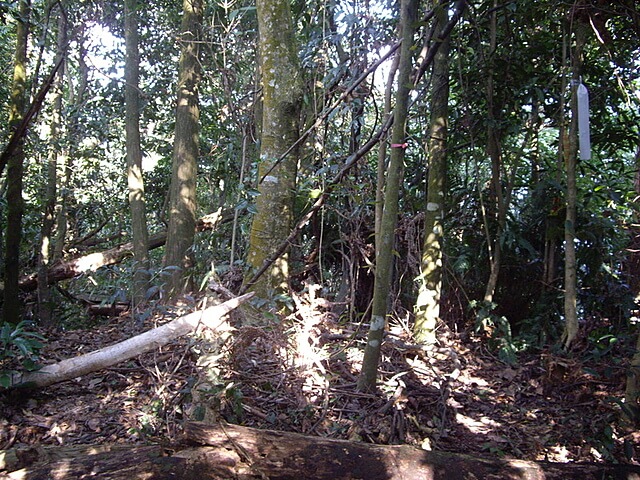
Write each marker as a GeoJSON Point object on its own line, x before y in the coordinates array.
{"type": "Point", "coordinates": [182, 203]}
{"type": "Point", "coordinates": [427, 307]}
{"type": "Point", "coordinates": [384, 257]}
{"type": "Point", "coordinates": [11, 309]}
{"type": "Point", "coordinates": [231, 452]}
{"type": "Point", "coordinates": [137, 205]}
{"type": "Point", "coordinates": [115, 462]}
{"type": "Point", "coordinates": [282, 455]}
{"type": "Point", "coordinates": [281, 104]}
{"type": "Point", "coordinates": [114, 354]}
{"type": "Point", "coordinates": [381, 165]}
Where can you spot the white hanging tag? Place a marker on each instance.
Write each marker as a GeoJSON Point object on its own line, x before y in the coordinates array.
{"type": "Point", "coordinates": [583, 122]}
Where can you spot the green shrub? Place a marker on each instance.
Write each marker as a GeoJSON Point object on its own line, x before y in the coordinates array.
{"type": "Point", "coordinates": [17, 346]}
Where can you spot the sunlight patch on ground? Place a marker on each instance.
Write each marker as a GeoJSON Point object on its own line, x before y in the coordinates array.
{"type": "Point", "coordinates": [354, 357]}
{"type": "Point", "coordinates": [484, 425]}
{"type": "Point", "coordinates": [467, 379]}
{"type": "Point", "coordinates": [559, 453]}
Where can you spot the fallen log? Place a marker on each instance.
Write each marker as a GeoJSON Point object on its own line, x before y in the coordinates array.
{"type": "Point", "coordinates": [67, 269]}
{"type": "Point", "coordinates": [106, 357]}
{"type": "Point", "coordinates": [115, 462]}
{"type": "Point", "coordinates": [107, 310]}
{"type": "Point", "coordinates": [234, 452]}
{"type": "Point", "coordinates": [285, 455]}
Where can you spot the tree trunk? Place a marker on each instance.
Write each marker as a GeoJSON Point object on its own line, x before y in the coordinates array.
{"type": "Point", "coordinates": [570, 266]}
{"type": "Point", "coordinates": [11, 311]}
{"type": "Point", "coordinates": [252, 453]}
{"type": "Point", "coordinates": [631, 406]}
{"type": "Point", "coordinates": [114, 354]}
{"type": "Point", "coordinates": [45, 306]}
{"type": "Point", "coordinates": [381, 164]}
{"type": "Point", "coordinates": [182, 203]}
{"type": "Point", "coordinates": [76, 99]}
{"type": "Point", "coordinates": [231, 452]}
{"type": "Point", "coordinates": [139, 231]}
{"type": "Point", "coordinates": [113, 462]}
{"type": "Point", "coordinates": [495, 155]}
{"type": "Point", "coordinates": [384, 258]}
{"type": "Point", "coordinates": [281, 104]}
{"type": "Point", "coordinates": [427, 307]}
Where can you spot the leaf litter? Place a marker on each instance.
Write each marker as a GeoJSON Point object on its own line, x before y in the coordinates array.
{"type": "Point", "coordinates": [299, 375]}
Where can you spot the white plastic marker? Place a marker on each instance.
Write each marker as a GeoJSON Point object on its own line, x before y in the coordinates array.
{"type": "Point", "coordinates": [583, 122]}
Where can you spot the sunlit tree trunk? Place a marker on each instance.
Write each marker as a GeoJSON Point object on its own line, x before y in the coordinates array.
{"type": "Point", "coordinates": [281, 103]}
{"type": "Point", "coordinates": [570, 266]}
{"type": "Point", "coordinates": [427, 308]}
{"type": "Point", "coordinates": [12, 309]}
{"type": "Point", "coordinates": [182, 203]}
{"type": "Point", "coordinates": [45, 306]}
{"type": "Point", "coordinates": [384, 258]}
{"type": "Point", "coordinates": [135, 181]}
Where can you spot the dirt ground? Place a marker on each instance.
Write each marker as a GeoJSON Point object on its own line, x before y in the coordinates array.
{"type": "Point", "coordinates": [299, 375]}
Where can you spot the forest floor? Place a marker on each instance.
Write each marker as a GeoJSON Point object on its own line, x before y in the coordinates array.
{"type": "Point", "coordinates": [299, 375]}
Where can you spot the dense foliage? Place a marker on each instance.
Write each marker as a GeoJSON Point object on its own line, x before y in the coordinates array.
{"type": "Point", "coordinates": [528, 62]}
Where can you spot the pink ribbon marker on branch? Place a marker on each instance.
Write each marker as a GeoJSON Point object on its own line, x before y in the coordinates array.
{"type": "Point", "coordinates": [399, 145]}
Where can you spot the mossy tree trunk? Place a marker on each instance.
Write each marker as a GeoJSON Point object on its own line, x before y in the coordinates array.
{"type": "Point", "coordinates": [427, 308]}
{"type": "Point", "coordinates": [182, 196]}
{"type": "Point", "coordinates": [281, 104]}
{"type": "Point", "coordinates": [135, 181]}
{"type": "Point", "coordinates": [384, 257]}
{"type": "Point", "coordinates": [11, 311]}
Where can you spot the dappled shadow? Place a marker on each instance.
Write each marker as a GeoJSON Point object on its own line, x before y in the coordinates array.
{"type": "Point", "coordinates": [453, 398]}
{"type": "Point", "coordinates": [456, 397]}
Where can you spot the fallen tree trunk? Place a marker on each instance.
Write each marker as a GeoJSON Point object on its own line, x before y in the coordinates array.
{"type": "Point", "coordinates": [234, 452]}
{"type": "Point", "coordinates": [284, 455]}
{"type": "Point", "coordinates": [108, 309]}
{"type": "Point", "coordinates": [114, 354]}
{"type": "Point", "coordinates": [115, 462]}
{"type": "Point", "coordinates": [67, 269]}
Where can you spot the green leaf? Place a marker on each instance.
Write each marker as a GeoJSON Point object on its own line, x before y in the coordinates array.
{"type": "Point", "coordinates": [5, 379]}
{"type": "Point", "coordinates": [315, 193]}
